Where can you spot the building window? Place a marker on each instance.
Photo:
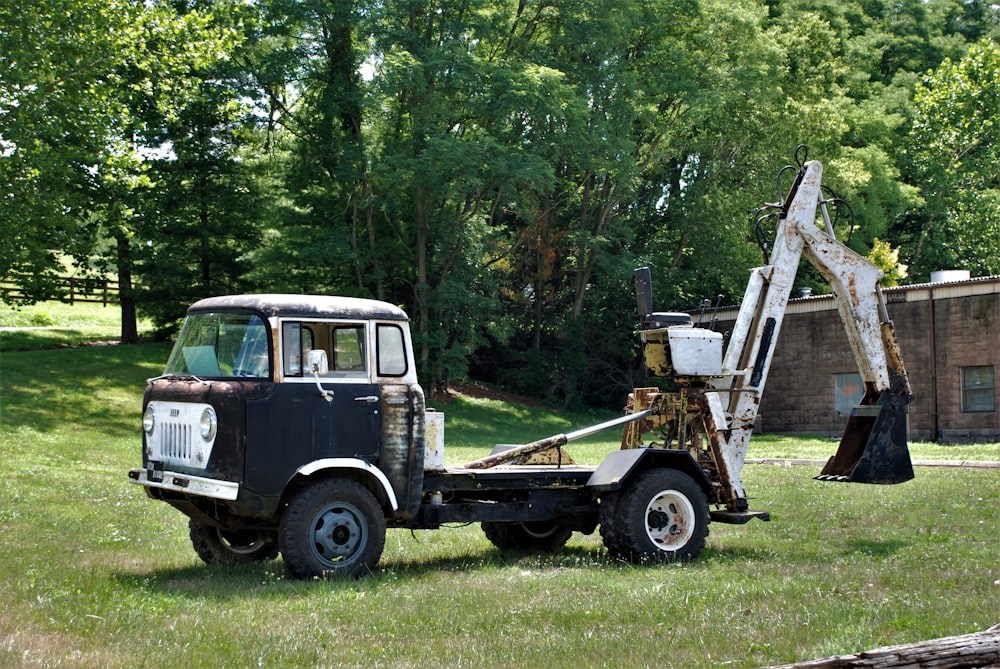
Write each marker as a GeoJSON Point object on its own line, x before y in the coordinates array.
{"type": "Point", "coordinates": [978, 389]}
{"type": "Point", "coordinates": [848, 391]}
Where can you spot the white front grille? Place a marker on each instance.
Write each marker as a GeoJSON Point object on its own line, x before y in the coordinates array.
{"type": "Point", "coordinates": [176, 437]}
{"type": "Point", "coordinates": [175, 441]}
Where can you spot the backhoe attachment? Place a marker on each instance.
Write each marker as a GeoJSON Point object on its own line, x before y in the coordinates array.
{"type": "Point", "coordinates": [712, 413]}
{"type": "Point", "coordinates": [873, 448]}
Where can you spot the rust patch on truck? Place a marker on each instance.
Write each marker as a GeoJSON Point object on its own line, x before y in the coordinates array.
{"type": "Point", "coordinates": [402, 455]}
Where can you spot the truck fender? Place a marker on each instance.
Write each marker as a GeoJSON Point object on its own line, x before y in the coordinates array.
{"type": "Point", "coordinates": [355, 464]}
{"type": "Point", "coordinates": [618, 466]}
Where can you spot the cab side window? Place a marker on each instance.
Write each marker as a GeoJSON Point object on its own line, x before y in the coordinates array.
{"type": "Point", "coordinates": [296, 342]}
{"type": "Point", "coordinates": [343, 343]}
{"type": "Point", "coordinates": [391, 350]}
{"type": "Point", "coordinates": [348, 348]}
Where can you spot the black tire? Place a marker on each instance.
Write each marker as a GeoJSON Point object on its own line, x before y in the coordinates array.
{"type": "Point", "coordinates": [216, 546]}
{"type": "Point", "coordinates": [332, 528]}
{"type": "Point", "coordinates": [659, 516]}
{"type": "Point", "coordinates": [548, 536]}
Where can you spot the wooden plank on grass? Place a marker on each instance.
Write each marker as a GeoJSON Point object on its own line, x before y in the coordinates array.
{"type": "Point", "coordinates": [980, 650]}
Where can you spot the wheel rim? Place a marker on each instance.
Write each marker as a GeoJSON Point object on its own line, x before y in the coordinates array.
{"type": "Point", "coordinates": [338, 533]}
{"type": "Point", "coordinates": [237, 544]}
{"type": "Point", "coordinates": [670, 520]}
{"type": "Point", "coordinates": [540, 530]}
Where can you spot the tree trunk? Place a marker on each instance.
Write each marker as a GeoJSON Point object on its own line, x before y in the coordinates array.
{"type": "Point", "coordinates": [373, 245]}
{"type": "Point", "coordinates": [422, 292]}
{"type": "Point", "coordinates": [980, 650]}
{"type": "Point", "coordinates": [126, 298]}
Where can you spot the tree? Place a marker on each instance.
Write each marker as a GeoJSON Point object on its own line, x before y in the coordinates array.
{"type": "Point", "coordinates": [76, 78]}
{"type": "Point", "coordinates": [650, 94]}
{"type": "Point", "coordinates": [304, 58]}
{"type": "Point", "coordinates": [886, 259]}
{"type": "Point", "coordinates": [444, 166]}
{"type": "Point", "coordinates": [953, 153]}
{"type": "Point", "coordinates": [200, 216]}
{"type": "Point", "coordinates": [61, 115]}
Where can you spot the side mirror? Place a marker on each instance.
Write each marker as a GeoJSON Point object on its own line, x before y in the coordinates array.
{"type": "Point", "coordinates": [317, 363]}
{"type": "Point", "coordinates": [319, 366]}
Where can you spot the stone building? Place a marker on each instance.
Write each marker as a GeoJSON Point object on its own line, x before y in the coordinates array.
{"type": "Point", "coordinates": [949, 334]}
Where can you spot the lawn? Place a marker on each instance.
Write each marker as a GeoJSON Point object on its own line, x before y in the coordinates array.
{"type": "Point", "coordinates": [93, 574]}
{"type": "Point", "coordinates": [51, 324]}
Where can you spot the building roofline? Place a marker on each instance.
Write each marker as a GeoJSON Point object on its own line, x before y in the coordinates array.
{"type": "Point", "coordinates": [920, 292]}
{"type": "Point", "coordinates": [935, 284]}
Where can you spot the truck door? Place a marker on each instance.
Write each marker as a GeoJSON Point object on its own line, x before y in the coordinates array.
{"type": "Point", "coordinates": [298, 423]}
{"type": "Point", "coordinates": [356, 416]}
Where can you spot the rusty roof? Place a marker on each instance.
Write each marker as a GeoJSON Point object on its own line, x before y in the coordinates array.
{"type": "Point", "coordinates": [310, 306]}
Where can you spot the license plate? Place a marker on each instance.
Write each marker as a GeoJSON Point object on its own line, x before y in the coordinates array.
{"type": "Point", "coordinates": [154, 472]}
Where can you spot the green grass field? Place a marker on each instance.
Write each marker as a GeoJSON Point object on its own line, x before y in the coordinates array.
{"type": "Point", "coordinates": [54, 324]}
{"type": "Point", "coordinates": [93, 574]}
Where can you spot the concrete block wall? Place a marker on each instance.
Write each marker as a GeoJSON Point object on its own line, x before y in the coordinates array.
{"type": "Point", "coordinates": [940, 329]}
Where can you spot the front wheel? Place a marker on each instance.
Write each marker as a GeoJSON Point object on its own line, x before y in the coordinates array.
{"type": "Point", "coordinates": [217, 546]}
{"type": "Point", "coordinates": [660, 516]}
{"type": "Point", "coordinates": [333, 527]}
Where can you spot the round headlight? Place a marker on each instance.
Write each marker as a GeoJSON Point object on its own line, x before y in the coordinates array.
{"type": "Point", "coordinates": [209, 424]}
{"type": "Point", "coordinates": [149, 419]}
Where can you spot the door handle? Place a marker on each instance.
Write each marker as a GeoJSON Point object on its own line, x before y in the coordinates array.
{"type": "Point", "coordinates": [371, 399]}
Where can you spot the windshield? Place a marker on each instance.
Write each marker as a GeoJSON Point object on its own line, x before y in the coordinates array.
{"type": "Point", "coordinates": [220, 345]}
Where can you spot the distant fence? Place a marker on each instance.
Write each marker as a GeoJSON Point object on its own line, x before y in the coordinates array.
{"type": "Point", "coordinates": [67, 289]}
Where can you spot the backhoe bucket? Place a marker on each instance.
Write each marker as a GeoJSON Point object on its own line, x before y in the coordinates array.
{"type": "Point", "coordinates": [873, 448]}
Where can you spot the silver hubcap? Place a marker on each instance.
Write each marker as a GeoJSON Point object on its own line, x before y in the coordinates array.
{"type": "Point", "coordinates": [338, 532]}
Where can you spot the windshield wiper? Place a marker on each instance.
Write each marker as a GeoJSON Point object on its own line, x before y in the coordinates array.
{"type": "Point", "coordinates": [172, 375]}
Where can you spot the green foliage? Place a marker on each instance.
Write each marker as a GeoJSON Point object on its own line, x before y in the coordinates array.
{"type": "Point", "coordinates": [954, 153]}
{"type": "Point", "coordinates": [497, 168]}
{"type": "Point", "coordinates": [85, 86]}
{"type": "Point", "coordinates": [202, 213]}
{"type": "Point", "coordinates": [886, 259]}
{"type": "Point", "coordinates": [59, 110]}
{"type": "Point", "coordinates": [41, 319]}
{"type": "Point", "coordinates": [73, 74]}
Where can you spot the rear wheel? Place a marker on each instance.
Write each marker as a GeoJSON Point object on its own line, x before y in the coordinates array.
{"type": "Point", "coordinates": [217, 546]}
{"type": "Point", "coordinates": [333, 527]}
{"type": "Point", "coordinates": [546, 535]}
{"type": "Point", "coordinates": [660, 516]}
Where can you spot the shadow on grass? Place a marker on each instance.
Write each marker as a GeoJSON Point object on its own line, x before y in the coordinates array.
{"type": "Point", "coordinates": [97, 388]}
{"type": "Point", "coordinates": [735, 554]}
{"type": "Point", "coordinates": [218, 582]}
{"type": "Point", "coordinates": [874, 547]}
{"type": "Point", "coordinates": [49, 338]}
{"type": "Point", "coordinates": [262, 579]}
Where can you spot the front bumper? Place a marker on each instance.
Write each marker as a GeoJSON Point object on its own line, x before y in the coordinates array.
{"type": "Point", "coordinates": [185, 483]}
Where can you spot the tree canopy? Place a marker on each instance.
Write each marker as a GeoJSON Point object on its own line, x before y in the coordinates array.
{"type": "Point", "coordinates": [498, 168]}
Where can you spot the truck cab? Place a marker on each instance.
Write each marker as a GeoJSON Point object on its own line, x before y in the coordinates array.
{"type": "Point", "coordinates": [262, 392]}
